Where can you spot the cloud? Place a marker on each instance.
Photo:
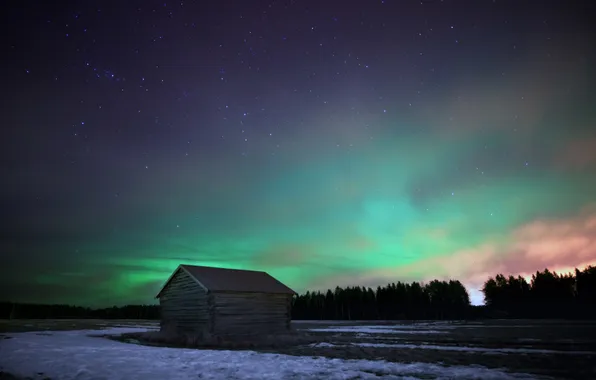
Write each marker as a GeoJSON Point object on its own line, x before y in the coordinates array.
{"type": "Point", "coordinates": [544, 243]}
{"type": "Point", "coordinates": [361, 243]}
{"type": "Point", "coordinates": [577, 154]}
{"type": "Point", "coordinates": [557, 244]}
{"type": "Point", "coordinates": [515, 97]}
{"type": "Point", "coordinates": [284, 255]}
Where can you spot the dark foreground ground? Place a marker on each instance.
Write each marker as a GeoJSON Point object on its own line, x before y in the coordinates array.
{"type": "Point", "coordinates": [530, 346]}
{"type": "Point", "coordinates": [559, 349]}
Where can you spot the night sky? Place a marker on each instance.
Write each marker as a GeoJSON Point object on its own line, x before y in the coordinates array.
{"type": "Point", "coordinates": [330, 143]}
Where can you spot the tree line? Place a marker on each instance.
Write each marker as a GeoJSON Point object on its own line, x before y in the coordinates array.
{"type": "Point", "coordinates": [435, 300]}
{"type": "Point", "coordinates": [547, 295]}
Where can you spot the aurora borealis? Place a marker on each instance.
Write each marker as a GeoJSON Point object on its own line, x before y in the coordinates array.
{"type": "Point", "coordinates": [327, 145]}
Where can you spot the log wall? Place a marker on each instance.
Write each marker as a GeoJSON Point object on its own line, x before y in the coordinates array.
{"type": "Point", "coordinates": [240, 314]}
{"type": "Point", "coordinates": [184, 305]}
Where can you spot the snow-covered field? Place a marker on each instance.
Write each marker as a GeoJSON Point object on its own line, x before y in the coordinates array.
{"type": "Point", "coordinates": [80, 350]}
{"type": "Point", "coordinates": [80, 355]}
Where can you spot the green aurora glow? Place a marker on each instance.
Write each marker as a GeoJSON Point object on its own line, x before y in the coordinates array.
{"type": "Point", "coordinates": [489, 169]}
{"type": "Point", "coordinates": [335, 219]}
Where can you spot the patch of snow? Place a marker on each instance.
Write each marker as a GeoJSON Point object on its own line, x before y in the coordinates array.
{"type": "Point", "coordinates": [475, 326]}
{"type": "Point", "coordinates": [381, 323]}
{"type": "Point", "coordinates": [322, 344]}
{"type": "Point", "coordinates": [69, 355]}
{"type": "Point", "coordinates": [475, 349]}
{"type": "Point", "coordinates": [416, 326]}
{"type": "Point", "coordinates": [375, 330]}
{"type": "Point", "coordinates": [144, 327]}
{"type": "Point", "coordinates": [321, 321]}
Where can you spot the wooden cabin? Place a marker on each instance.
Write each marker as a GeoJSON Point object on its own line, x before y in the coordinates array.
{"type": "Point", "coordinates": [224, 302]}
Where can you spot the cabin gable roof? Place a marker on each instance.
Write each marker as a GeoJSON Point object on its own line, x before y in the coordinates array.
{"type": "Point", "coordinates": [213, 279]}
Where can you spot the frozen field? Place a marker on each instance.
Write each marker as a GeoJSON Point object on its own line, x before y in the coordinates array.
{"type": "Point", "coordinates": [498, 349]}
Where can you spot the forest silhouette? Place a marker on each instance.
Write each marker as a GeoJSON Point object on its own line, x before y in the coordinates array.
{"type": "Point", "coordinates": [547, 295]}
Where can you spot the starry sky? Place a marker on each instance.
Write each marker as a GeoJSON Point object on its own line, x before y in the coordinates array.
{"type": "Point", "coordinates": [330, 143]}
